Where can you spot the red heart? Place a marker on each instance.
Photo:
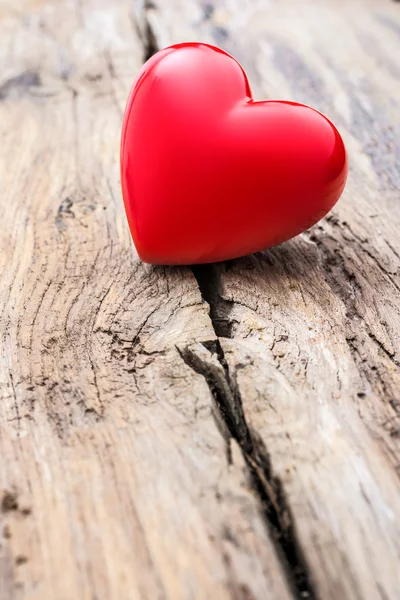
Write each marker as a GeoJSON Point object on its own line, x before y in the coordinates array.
{"type": "Point", "coordinates": [208, 174]}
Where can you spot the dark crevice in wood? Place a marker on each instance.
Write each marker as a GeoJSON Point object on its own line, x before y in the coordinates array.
{"type": "Point", "coordinates": [144, 30]}
{"type": "Point", "coordinates": [267, 486]}
{"type": "Point", "coordinates": [147, 35]}
{"type": "Point", "coordinates": [209, 280]}
{"type": "Point", "coordinates": [150, 44]}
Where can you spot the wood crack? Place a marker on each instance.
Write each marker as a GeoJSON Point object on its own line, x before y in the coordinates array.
{"type": "Point", "coordinates": [145, 32]}
{"type": "Point", "coordinates": [225, 391]}
{"type": "Point", "coordinates": [208, 278]}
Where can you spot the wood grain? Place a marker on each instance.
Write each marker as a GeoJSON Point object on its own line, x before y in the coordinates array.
{"type": "Point", "coordinates": [229, 431]}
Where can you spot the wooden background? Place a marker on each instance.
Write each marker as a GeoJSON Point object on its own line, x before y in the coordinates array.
{"type": "Point", "coordinates": [227, 431]}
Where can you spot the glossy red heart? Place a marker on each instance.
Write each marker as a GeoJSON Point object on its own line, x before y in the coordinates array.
{"type": "Point", "coordinates": [208, 173]}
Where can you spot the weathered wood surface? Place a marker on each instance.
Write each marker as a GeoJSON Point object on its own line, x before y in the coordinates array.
{"type": "Point", "coordinates": [229, 431]}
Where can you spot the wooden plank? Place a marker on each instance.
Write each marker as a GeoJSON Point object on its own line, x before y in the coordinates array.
{"type": "Point", "coordinates": [116, 480]}
{"type": "Point", "coordinates": [307, 366]}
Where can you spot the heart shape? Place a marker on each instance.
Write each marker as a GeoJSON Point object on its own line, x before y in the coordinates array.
{"type": "Point", "coordinates": [209, 174]}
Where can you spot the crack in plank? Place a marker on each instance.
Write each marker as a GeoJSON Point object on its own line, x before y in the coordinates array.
{"type": "Point", "coordinates": [267, 486]}
{"type": "Point", "coordinates": [145, 33]}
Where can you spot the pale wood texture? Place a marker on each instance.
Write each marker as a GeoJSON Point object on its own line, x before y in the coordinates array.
{"type": "Point", "coordinates": [228, 431]}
